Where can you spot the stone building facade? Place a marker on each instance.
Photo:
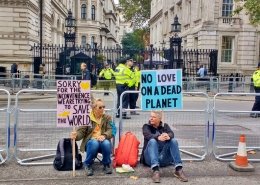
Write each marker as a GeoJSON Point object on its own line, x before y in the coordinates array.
{"type": "Point", "coordinates": [97, 21]}
{"type": "Point", "coordinates": [208, 24]}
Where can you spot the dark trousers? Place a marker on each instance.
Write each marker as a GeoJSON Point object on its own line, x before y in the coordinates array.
{"type": "Point", "coordinates": [120, 89]}
{"type": "Point", "coordinates": [132, 98]}
{"type": "Point", "coordinates": [256, 106]}
{"type": "Point", "coordinates": [106, 86]}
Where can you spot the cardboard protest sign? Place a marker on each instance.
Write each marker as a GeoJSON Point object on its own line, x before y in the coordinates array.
{"type": "Point", "coordinates": [73, 103]}
{"type": "Point", "coordinates": [161, 89]}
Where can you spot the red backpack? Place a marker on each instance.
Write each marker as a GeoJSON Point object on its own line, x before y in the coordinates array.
{"type": "Point", "coordinates": [127, 150]}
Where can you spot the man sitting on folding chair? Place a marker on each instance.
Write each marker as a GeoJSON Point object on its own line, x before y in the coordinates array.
{"type": "Point", "coordinates": [96, 139]}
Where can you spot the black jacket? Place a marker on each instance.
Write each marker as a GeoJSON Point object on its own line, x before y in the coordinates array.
{"type": "Point", "coordinates": [151, 132]}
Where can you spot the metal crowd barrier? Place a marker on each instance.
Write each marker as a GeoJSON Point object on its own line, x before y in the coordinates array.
{"type": "Point", "coordinates": [35, 132]}
{"type": "Point", "coordinates": [194, 120]}
{"type": "Point", "coordinates": [4, 125]}
{"type": "Point", "coordinates": [231, 121]}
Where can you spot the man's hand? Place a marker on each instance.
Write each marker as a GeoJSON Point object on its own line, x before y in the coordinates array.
{"type": "Point", "coordinates": [164, 137]}
{"type": "Point", "coordinates": [101, 138]}
{"type": "Point", "coordinates": [73, 135]}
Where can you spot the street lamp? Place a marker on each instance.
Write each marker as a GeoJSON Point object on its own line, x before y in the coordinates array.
{"type": "Point", "coordinates": [176, 26]}
{"type": "Point", "coordinates": [175, 44]}
{"type": "Point", "coordinates": [70, 37]}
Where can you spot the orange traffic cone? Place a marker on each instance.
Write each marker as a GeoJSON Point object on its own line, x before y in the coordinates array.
{"type": "Point", "coordinates": [241, 162]}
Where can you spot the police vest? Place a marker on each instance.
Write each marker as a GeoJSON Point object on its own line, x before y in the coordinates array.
{"type": "Point", "coordinates": [256, 78]}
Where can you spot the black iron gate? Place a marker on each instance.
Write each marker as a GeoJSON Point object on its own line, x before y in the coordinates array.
{"type": "Point", "coordinates": [56, 62]}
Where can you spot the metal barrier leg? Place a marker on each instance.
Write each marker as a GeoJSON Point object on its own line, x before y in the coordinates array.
{"type": "Point", "coordinates": [1, 157]}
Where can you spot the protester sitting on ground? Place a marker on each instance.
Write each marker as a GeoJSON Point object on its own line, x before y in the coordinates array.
{"type": "Point", "coordinates": [96, 138]}
{"type": "Point", "coordinates": [161, 148]}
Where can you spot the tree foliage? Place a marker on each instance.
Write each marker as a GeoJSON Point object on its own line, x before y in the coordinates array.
{"type": "Point", "coordinates": [134, 42]}
{"type": "Point", "coordinates": [136, 11]}
{"type": "Point", "coordinates": [252, 8]}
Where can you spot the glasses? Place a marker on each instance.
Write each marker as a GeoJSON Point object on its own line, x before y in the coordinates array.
{"type": "Point", "coordinates": [102, 107]}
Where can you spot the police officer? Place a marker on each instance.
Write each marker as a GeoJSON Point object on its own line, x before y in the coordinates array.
{"type": "Point", "coordinates": [134, 85]}
{"type": "Point", "coordinates": [123, 76]}
{"type": "Point", "coordinates": [107, 74]}
{"type": "Point", "coordinates": [256, 81]}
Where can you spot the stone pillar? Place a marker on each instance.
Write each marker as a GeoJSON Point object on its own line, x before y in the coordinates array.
{"type": "Point", "coordinates": [89, 10]}
{"type": "Point", "coordinates": [97, 11]}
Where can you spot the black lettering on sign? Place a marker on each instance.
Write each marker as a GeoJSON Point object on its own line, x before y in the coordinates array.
{"type": "Point", "coordinates": [147, 78]}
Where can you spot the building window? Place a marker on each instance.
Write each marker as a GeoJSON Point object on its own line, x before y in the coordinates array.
{"type": "Point", "coordinates": [227, 48]}
{"type": "Point", "coordinates": [227, 8]}
{"type": "Point", "coordinates": [196, 42]}
{"type": "Point", "coordinates": [83, 11]}
{"type": "Point", "coordinates": [83, 41]}
{"type": "Point", "coordinates": [92, 41]}
{"type": "Point", "coordinates": [93, 12]}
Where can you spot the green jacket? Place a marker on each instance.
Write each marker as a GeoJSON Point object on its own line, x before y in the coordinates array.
{"type": "Point", "coordinates": [85, 132]}
{"type": "Point", "coordinates": [106, 73]}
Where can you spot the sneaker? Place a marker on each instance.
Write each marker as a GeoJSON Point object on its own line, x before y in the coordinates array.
{"type": "Point", "coordinates": [89, 170]}
{"type": "Point", "coordinates": [107, 169]}
{"type": "Point", "coordinates": [180, 175]}
{"type": "Point", "coordinates": [134, 113]}
{"type": "Point", "coordinates": [156, 177]}
{"type": "Point", "coordinates": [126, 117]}
{"type": "Point", "coordinates": [117, 116]}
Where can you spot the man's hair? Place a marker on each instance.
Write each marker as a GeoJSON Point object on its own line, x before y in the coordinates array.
{"type": "Point", "coordinates": [258, 65]}
{"type": "Point", "coordinates": [83, 64]}
{"type": "Point", "coordinates": [158, 113]}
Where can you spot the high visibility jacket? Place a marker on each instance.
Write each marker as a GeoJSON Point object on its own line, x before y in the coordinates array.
{"type": "Point", "coordinates": [123, 74]}
{"type": "Point", "coordinates": [137, 78]}
{"type": "Point", "coordinates": [132, 80]}
{"type": "Point", "coordinates": [256, 78]}
{"type": "Point", "coordinates": [107, 73]}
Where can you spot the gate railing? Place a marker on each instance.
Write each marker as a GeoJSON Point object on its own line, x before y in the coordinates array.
{"type": "Point", "coordinates": [35, 131]}
{"type": "Point", "coordinates": [5, 127]}
{"type": "Point", "coordinates": [228, 124]}
{"type": "Point", "coordinates": [195, 147]}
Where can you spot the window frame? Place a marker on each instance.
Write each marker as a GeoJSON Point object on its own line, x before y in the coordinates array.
{"type": "Point", "coordinates": [227, 54]}
{"type": "Point", "coordinates": [83, 44]}
{"type": "Point", "coordinates": [84, 11]}
{"type": "Point", "coordinates": [227, 8]}
{"type": "Point", "coordinates": [93, 13]}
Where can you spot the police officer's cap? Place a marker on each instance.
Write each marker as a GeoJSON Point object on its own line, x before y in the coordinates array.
{"type": "Point", "coordinates": [124, 60]}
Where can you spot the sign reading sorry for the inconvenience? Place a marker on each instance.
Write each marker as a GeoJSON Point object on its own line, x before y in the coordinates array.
{"type": "Point", "coordinates": [73, 103]}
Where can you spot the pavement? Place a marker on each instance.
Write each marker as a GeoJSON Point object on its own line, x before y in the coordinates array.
{"type": "Point", "coordinates": [208, 171]}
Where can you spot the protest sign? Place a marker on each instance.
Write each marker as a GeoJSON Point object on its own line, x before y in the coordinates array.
{"type": "Point", "coordinates": [161, 89]}
{"type": "Point", "coordinates": [73, 103]}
